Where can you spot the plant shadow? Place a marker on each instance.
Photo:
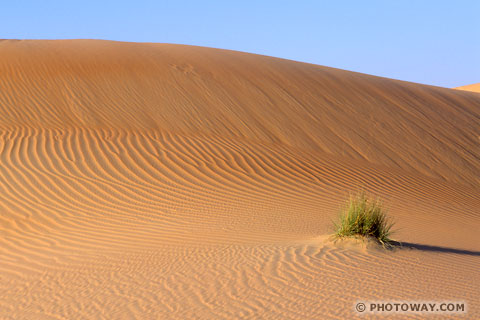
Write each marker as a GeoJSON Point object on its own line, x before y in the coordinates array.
{"type": "Point", "coordinates": [429, 248]}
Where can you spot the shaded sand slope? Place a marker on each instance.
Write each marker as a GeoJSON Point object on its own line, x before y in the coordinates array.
{"type": "Point", "coordinates": [167, 181]}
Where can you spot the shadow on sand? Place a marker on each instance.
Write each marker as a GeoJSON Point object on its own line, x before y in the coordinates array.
{"type": "Point", "coordinates": [428, 248]}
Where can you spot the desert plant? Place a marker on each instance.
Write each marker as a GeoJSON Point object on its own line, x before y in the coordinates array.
{"type": "Point", "coordinates": [363, 217]}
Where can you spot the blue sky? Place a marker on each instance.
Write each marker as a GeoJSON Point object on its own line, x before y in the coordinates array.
{"type": "Point", "coordinates": [432, 42]}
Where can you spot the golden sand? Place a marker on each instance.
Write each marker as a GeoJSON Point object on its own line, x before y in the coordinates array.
{"type": "Point", "coordinates": [156, 181]}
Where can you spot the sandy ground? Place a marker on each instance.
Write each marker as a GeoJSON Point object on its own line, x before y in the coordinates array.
{"type": "Point", "coordinates": [154, 181]}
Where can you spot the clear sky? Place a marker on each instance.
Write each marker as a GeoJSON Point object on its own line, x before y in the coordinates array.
{"type": "Point", "coordinates": [433, 42]}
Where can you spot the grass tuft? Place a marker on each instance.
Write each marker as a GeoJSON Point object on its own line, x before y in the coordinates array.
{"type": "Point", "coordinates": [365, 218]}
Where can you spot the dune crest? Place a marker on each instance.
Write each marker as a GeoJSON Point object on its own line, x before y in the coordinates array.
{"type": "Point", "coordinates": [170, 181]}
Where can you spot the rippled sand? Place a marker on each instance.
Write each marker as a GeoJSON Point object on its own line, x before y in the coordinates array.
{"type": "Point", "coordinates": [155, 181]}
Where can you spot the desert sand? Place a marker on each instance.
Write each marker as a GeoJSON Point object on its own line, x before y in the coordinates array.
{"type": "Point", "coordinates": [157, 181]}
{"type": "Point", "coordinates": [471, 87]}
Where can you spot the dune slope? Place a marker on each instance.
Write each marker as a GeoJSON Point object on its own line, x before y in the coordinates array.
{"type": "Point", "coordinates": [169, 181]}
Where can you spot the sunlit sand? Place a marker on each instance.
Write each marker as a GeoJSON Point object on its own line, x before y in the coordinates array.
{"type": "Point", "coordinates": [157, 181]}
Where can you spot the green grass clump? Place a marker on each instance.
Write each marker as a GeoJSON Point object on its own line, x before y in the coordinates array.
{"type": "Point", "coordinates": [365, 218]}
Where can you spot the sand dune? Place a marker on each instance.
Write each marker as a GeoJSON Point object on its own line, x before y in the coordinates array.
{"type": "Point", "coordinates": [471, 87]}
{"type": "Point", "coordinates": [165, 181]}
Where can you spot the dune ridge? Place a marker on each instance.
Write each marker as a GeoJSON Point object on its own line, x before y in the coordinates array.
{"type": "Point", "coordinates": [155, 180]}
